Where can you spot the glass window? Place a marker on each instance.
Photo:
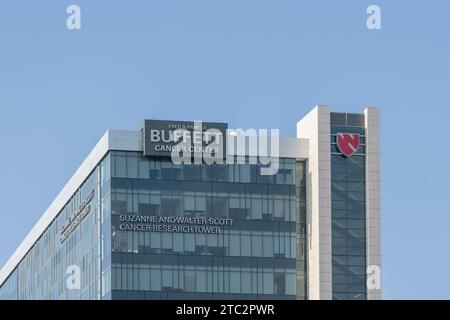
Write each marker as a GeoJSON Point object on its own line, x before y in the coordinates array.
{"type": "Point", "coordinates": [356, 223]}
{"type": "Point", "coordinates": [234, 245]}
{"type": "Point", "coordinates": [267, 246]}
{"type": "Point", "coordinates": [355, 186]}
{"type": "Point", "coordinates": [339, 223]}
{"type": "Point", "coordinates": [340, 260]}
{"type": "Point", "coordinates": [293, 246]}
{"type": "Point", "coordinates": [358, 270]}
{"type": "Point", "coordinates": [287, 245]}
{"type": "Point", "coordinates": [292, 210]}
{"type": "Point", "coordinates": [246, 245]}
{"type": "Point", "coordinates": [189, 280]}
{"type": "Point", "coordinates": [155, 240]}
{"type": "Point", "coordinates": [189, 242]}
{"type": "Point", "coordinates": [130, 203]}
{"type": "Point", "coordinates": [155, 279]}
{"type": "Point", "coordinates": [144, 168]}
{"type": "Point", "coordinates": [219, 172]}
{"type": "Point", "coordinates": [357, 233]}
{"type": "Point", "coordinates": [121, 166]}
{"type": "Point", "coordinates": [141, 242]}
{"type": "Point", "coordinates": [191, 172]}
{"type": "Point", "coordinates": [132, 167]}
{"type": "Point", "coordinates": [200, 203]}
{"type": "Point", "coordinates": [246, 282]}
{"type": "Point", "coordinates": [356, 261]}
{"type": "Point", "coordinates": [256, 245]}
{"type": "Point", "coordinates": [167, 278]}
{"type": "Point", "coordinates": [167, 241]}
{"type": "Point", "coordinates": [212, 240]}
{"type": "Point", "coordinates": [144, 279]}
{"type": "Point", "coordinates": [234, 203]}
{"type": "Point", "coordinates": [244, 176]}
{"type": "Point", "coordinates": [147, 240]}
{"type": "Point", "coordinates": [278, 211]}
{"type": "Point", "coordinates": [268, 283]}
{"type": "Point", "coordinates": [235, 282]}
{"type": "Point", "coordinates": [200, 242]}
{"type": "Point", "coordinates": [130, 279]}
{"type": "Point", "coordinates": [177, 172]}
{"type": "Point", "coordinates": [124, 277]}
{"type": "Point", "coordinates": [178, 242]}
{"type": "Point", "coordinates": [218, 281]}
{"type": "Point", "coordinates": [338, 118]}
{"type": "Point", "coordinates": [256, 208]}
{"type": "Point", "coordinates": [177, 280]}
{"type": "Point", "coordinates": [338, 205]}
{"type": "Point", "coordinates": [279, 283]}
{"type": "Point", "coordinates": [200, 279]}
{"type": "Point", "coordinates": [291, 282]}
{"type": "Point", "coordinates": [220, 207]}
{"type": "Point", "coordinates": [189, 203]}
{"type": "Point", "coordinates": [340, 296]}
{"type": "Point", "coordinates": [356, 196]}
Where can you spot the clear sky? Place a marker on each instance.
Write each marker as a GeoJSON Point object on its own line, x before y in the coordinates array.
{"type": "Point", "coordinates": [252, 63]}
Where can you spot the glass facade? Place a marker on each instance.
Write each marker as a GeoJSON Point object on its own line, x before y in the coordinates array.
{"type": "Point", "coordinates": [348, 212]}
{"type": "Point", "coordinates": [254, 258]}
{"type": "Point", "coordinates": [261, 254]}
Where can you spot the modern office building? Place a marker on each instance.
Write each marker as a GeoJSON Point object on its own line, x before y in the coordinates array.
{"type": "Point", "coordinates": [133, 224]}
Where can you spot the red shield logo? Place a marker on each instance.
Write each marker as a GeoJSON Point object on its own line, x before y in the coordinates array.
{"type": "Point", "coordinates": [347, 143]}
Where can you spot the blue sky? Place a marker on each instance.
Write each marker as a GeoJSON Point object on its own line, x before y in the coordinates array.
{"type": "Point", "coordinates": [252, 63]}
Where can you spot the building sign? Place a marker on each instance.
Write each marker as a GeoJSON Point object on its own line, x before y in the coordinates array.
{"type": "Point", "coordinates": [160, 138]}
{"type": "Point", "coordinates": [348, 143]}
{"type": "Point", "coordinates": [173, 224]}
{"type": "Point", "coordinates": [75, 219]}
